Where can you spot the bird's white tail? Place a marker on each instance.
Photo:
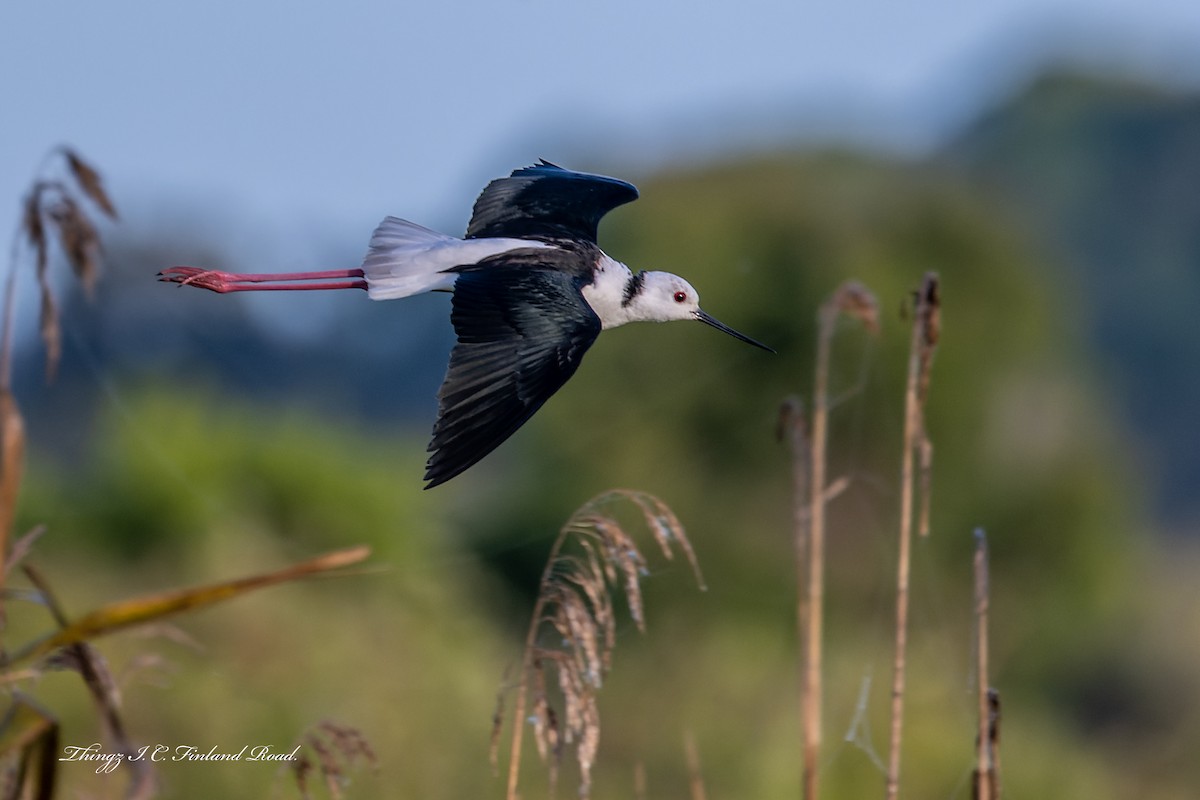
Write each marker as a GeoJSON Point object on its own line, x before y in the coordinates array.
{"type": "Point", "coordinates": [406, 258]}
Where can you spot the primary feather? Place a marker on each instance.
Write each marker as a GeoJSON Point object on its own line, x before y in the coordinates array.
{"type": "Point", "coordinates": [545, 201]}
{"type": "Point", "coordinates": [521, 335]}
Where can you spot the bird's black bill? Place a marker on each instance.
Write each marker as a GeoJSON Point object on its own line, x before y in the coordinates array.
{"type": "Point", "coordinates": [707, 319]}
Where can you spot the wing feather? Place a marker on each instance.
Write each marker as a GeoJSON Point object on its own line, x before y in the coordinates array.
{"type": "Point", "coordinates": [522, 333]}
{"type": "Point", "coordinates": [547, 201]}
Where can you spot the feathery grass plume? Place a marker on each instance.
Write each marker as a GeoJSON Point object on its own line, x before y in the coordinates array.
{"type": "Point", "coordinates": [572, 632]}
{"type": "Point", "coordinates": [337, 748]}
{"type": "Point", "coordinates": [54, 203]}
{"type": "Point", "coordinates": [926, 331]}
{"type": "Point", "coordinates": [986, 778]}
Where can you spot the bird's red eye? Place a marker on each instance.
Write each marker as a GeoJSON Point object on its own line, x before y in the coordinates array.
{"type": "Point", "coordinates": [680, 297]}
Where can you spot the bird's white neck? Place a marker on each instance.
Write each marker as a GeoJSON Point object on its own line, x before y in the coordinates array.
{"type": "Point", "coordinates": [607, 293]}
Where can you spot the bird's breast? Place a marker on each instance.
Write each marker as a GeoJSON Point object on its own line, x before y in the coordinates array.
{"type": "Point", "coordinates": [606, 293]}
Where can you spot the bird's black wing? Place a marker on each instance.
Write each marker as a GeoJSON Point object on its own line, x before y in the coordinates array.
{"type": "Point", "coordinates": [521, 334]}
{"type": "Point", "coordinates": [547, 201]}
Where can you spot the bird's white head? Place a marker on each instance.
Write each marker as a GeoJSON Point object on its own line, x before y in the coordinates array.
{"type": "Point", "coordinates": [660, 297]}
{"type": "Point", "coordinates": [663, 297]}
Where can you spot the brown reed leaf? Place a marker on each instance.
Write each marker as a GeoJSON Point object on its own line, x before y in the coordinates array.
{"type": "Point", "coordinates": [54, 202]}
{"type": "Point", "coordinates": [12, 461]}
{"type": "Point", "coordinates": [51, 332]}
{"type": "Point", "coordinates": [79, 240]}
{"type": "Point", "coordinates": [31, 218]}
{"type": "Point", "coordinates": [89, 181]}
{"type": "Point", "coordinates": [35, 229]}
{"type": "Point", "coordinates": [139, 610]}
{"type": "Point", "coordinates": [87, 661]}
{"type": "Point", "coordinates": [21, 549]}
{"type": "Point", "coordinates": [97, 677]}
{"type": "Point", "coordinates": [29, 734]}
{"type": "Point", "coordinates": [81, 657]}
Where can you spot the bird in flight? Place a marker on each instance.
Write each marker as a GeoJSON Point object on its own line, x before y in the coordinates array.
{"type": "Point", "coordinates": [531, 292]}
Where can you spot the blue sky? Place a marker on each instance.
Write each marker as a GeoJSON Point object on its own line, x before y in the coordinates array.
{"type": "Point", "coordinates": [300, 117]}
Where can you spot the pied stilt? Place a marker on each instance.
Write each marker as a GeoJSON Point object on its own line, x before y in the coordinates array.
{"type": "Point", "coordinates": [531, 292]}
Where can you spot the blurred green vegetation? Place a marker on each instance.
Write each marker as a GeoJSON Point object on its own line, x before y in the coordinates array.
{"type": "Point", "coordinates": [1102, 169]}
{"type": "Point", "coordinates": [184, 484]}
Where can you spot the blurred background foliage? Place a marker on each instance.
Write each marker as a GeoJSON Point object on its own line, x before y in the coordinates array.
{"type": "Point", "coordinates": [186, 441]}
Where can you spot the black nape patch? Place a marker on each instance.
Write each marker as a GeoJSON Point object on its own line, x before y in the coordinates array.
{"type": "Point", "coordinates": [633, 288]}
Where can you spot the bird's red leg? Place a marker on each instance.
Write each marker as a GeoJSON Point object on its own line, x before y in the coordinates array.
{"type": "Point", "coordinates": [223, 282]}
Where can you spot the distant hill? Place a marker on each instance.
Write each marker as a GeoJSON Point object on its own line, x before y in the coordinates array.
{"type": "Point", "coordinates": [1106, 173]}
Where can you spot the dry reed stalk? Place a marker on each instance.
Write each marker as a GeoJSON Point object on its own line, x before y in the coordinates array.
{"type": "Point", "coordinates": [794, 426]}
{"type": "Point", "coordinates": [925, 333]}
{"type": "Point", "coordinates": [993, 737]}
{"type": "Point", "coordinates": [986, 784]}
{"type": "Point", "coordinates": [12, 430]}
{"type": "Point", "coordinates": [854, 300]}
{"type": "Point", "coordinates": [592, 557]}
{"type": "Point", "coordinates": [49, 204]}
{"type": "Point", "coordinates": [12, 459]}
{"type": "Point", "coordinates": [810, 494]}
{"type": "Point", "coordinates": [695, 779]}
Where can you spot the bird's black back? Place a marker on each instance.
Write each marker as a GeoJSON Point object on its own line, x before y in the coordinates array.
{"type": "Point", "coordinates": [545, 201]}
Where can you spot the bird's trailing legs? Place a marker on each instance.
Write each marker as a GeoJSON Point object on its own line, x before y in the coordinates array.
{"type": "Point", "coordinates": [223, 282]}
